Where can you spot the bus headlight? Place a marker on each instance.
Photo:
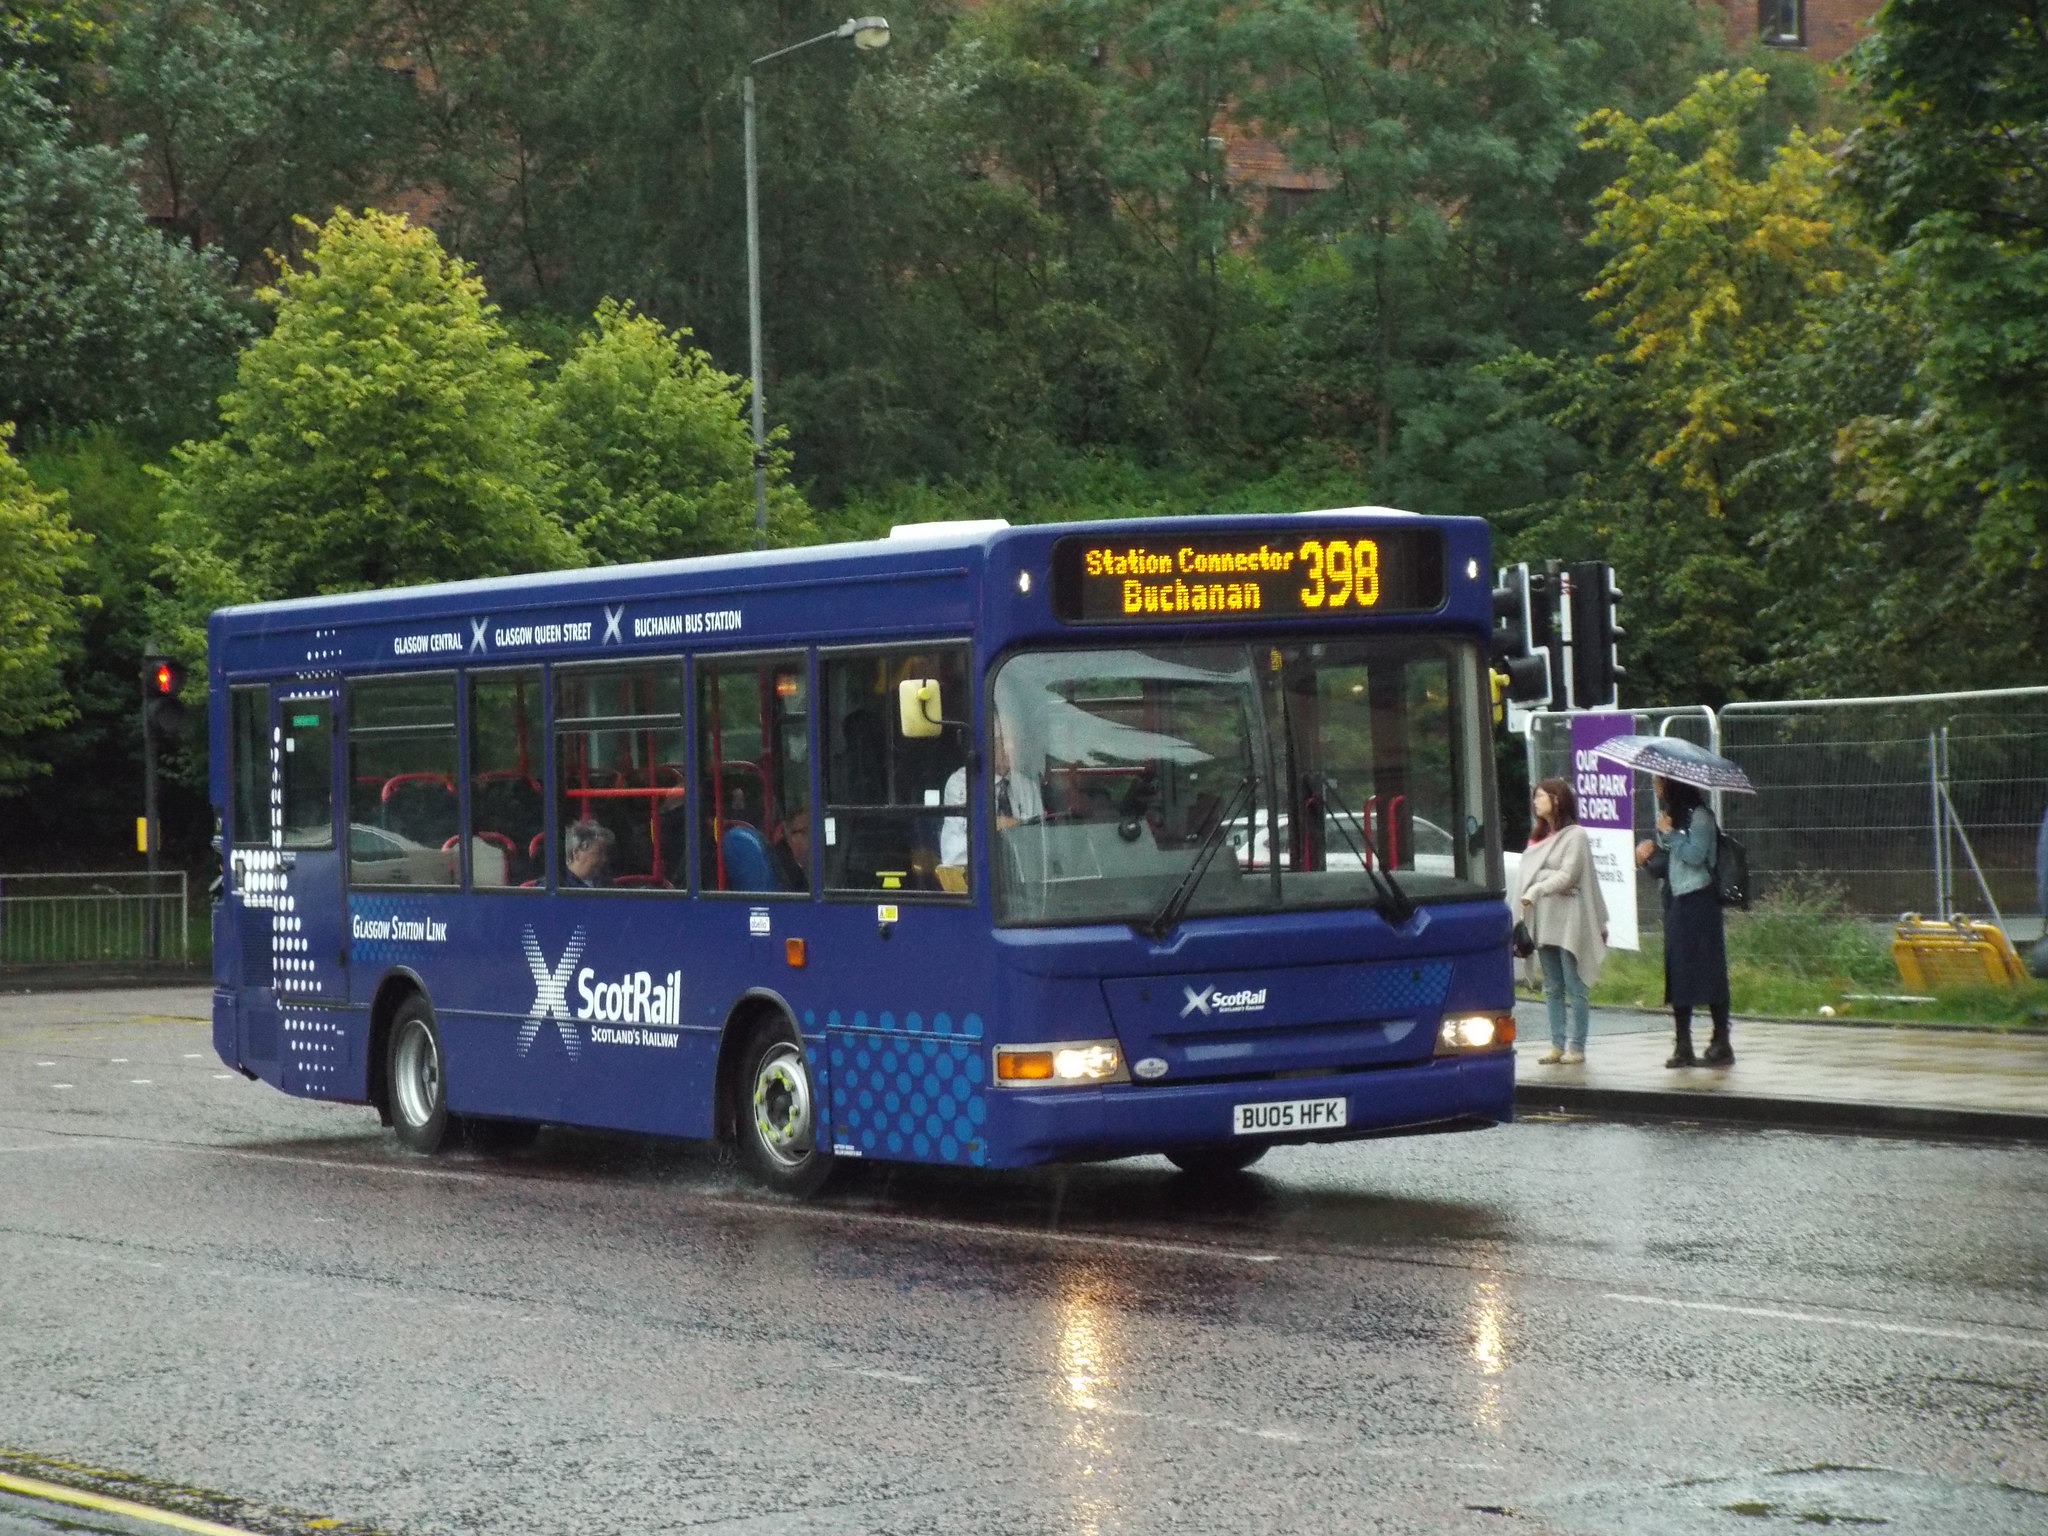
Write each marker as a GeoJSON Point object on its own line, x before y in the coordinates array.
{"type": "Point", "coordinates": [1475, 1032]}
{"type": "Point", "coordinates": [1062, 1062]}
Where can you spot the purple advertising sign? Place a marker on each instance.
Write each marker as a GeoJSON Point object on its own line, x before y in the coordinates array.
{"type": "Point", "coordinates": [1606, 795]}
{"type": "Point", "coordinates": [1606, 790]}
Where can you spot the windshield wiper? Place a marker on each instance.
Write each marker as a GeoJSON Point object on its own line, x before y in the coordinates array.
{"type": "Point", "coordinates": [1161, 922]}
{"type": "Point", "coordinates": [1393, 903]}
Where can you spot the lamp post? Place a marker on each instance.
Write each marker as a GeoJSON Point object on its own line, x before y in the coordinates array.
{"type": "Point", "coordinates": [866, 32]}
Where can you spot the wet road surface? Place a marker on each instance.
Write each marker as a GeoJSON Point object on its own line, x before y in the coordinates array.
{"type": "Point", "coordinates": [1564, 1326]}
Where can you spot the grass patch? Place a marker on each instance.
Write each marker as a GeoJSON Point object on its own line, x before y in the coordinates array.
{"type": "Point", "coordinates": [1797, 951]}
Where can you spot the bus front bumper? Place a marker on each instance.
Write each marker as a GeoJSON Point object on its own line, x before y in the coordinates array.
{"type": "Point", "coordinates": [1028, 1126]}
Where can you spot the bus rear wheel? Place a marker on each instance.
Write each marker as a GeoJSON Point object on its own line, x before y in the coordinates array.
{"type": "Point", "coordinates": [1232, 1157]}
{"type": "Point", "coordinates": [779, 1117]}
{"type": "Point", "coordinates": [419, 1085]}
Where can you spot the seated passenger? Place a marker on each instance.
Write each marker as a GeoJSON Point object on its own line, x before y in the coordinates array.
{"type": "Point", "coordinates": [792, 850]}
{"type": "Point", "coordinates": [586, 850]}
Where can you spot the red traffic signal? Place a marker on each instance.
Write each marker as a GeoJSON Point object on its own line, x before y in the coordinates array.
{"type": "Point", "coordinates": [165, 712]}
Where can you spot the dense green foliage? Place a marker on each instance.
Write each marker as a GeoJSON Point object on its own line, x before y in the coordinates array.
{"type": "Point", "coordinates": [653, 448]}
{"type": "Point", "coordinates": [101, 317]}
{"type": "Point", "coordinates": [38, 617]}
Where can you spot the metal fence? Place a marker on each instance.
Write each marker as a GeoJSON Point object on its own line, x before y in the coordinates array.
{"type": "Point", "coordinates": [97, 915]}
{"type": "Point", "coordinates": [1928, 803]}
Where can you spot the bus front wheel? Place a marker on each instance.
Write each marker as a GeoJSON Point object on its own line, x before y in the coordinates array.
{"type": "Point", "coordinates": [419, 1085]}
{"type": "Point", "coordinates": [780, 1119]}
{"type": "Point", "coordinates": [1233, 1157]}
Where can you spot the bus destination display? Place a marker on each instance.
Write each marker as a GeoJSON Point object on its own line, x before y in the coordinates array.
{"type": "Point", "coordinates": [1331, 573]}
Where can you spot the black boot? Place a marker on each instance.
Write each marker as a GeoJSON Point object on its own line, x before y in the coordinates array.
{"type": "Point", "coordinates": [1681, 1043]}
{"type": "Point", "coordinates": [1719, 1052]}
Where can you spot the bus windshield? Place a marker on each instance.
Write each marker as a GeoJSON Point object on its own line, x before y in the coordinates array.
{"type": "Point", "coordinates": [1240, 778]}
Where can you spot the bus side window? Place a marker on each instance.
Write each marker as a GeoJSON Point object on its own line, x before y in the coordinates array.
{"type": "Point", "coordinates": [249, 753]}
{"type": "Point", "coordinates": [754, 774]}
{"type": "Point", "coordinates": [895, 816]}
{"type": "Point", "coordinates": [307, 772]}
{"type": "Point", "coordinates": [507, 813]}
{"type": "Point", "coordinates": [402, 765]}
{"type": "Point", "coordinates": [620, 773]}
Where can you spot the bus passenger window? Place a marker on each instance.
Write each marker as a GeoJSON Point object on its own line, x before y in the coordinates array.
{"type": "Point", "coordinates": [754, 774]}
{"type": "Point", "coordinates": [307, 772]}
{"type": "Point", "coordinates": [621, 783]}
{"type": "Point", "coordinates": [249, 753]}
{"type": "Point", "coordinates": [885, 824]}
{"type": "Point", "coordinates": [507, 813]}
{"type": "Point", "coordinates": [402, 801]}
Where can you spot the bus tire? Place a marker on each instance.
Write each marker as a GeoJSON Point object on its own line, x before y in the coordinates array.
{"type": "Point", "coordinates": [778, 1117]}
{"type": "Point", "coordinates": [1224, 1158]}
{"type": "Point", "coordinates": [418, 1078]}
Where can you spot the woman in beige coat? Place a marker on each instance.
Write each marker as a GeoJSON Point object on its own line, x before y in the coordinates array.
{"type": "Point", "coordinates": [1560, 901]}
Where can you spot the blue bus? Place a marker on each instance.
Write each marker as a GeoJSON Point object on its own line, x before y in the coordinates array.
{"type": "Point", "coordinates": [974, 845]}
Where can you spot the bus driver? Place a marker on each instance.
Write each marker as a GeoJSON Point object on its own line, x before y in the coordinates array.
{"type": "Point", "coordinates": [1015, 796]}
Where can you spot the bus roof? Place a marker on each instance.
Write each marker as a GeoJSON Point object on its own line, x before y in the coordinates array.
{"type": "Point", "coordinates": [908, 546]}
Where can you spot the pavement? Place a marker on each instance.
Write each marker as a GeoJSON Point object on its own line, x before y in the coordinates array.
{"type": "Point", "coordinates": [1834, 1076]}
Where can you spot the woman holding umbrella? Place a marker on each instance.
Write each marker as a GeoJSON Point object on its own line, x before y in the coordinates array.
{"type": "Point", "coordinates": [1695, 942]}
{"type": "Point", "coordinates": [1683, 855]}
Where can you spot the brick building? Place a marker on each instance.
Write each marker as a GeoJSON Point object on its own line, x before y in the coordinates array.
{"type": "Point", "coordinates": [1825, 29]}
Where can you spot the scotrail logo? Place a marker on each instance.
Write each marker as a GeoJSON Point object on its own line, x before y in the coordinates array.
{"type": "Point", "coordinates": [1209, 1000]}
{"type": "Point", "coordinates": [551, 993]}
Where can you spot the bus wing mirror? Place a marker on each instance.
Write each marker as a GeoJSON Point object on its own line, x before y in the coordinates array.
{"type": "Point", "coordinates": [917, 707]}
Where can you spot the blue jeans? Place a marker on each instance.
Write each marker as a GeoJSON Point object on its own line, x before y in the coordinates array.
{"type": "Point", "coordinates": [1561, 977]}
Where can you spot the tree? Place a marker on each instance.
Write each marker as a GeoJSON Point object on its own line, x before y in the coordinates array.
{"type": "Point", "coordinates": [1717, 287]}
{"type": "Point", "coordinates": [1952, 169]}
{"type": "Point", "coordinates": [38, 617]}
{"type": "Point", "coordinates": [246, 114]}
{"type": "Point", "coordinates": [383, 433]}
{"type": "Point", "coordinates": [101, 317]}
{"type": "Point", "coordinates": [1446, 233]}
{"type": "Point", "coordinates": [656, 456]}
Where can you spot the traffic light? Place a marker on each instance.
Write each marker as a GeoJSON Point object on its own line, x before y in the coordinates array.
{"type": "Point", "coordinates": [162, 678]}
{"type": "Point", "coordinates": [1522, 635]}
{"type": "Point", "coordinates": [1596, 657]}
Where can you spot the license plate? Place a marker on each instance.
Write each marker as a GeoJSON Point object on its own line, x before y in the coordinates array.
{"type": "Point", "coordinates": [1289, 1115]}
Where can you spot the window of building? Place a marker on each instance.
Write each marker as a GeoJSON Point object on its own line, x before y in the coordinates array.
{"type": "Point", "coordinates": [621, 780]}
{"type": "Point", "coordinates": [895, 815]}
{"type": "Point", "coordinates": [507, 805]}
{"type": "Point", "coordinates": [754, 773]}
{"type": "Point", "coordinates": [403, 807]}
{"type": "Point", "coordinates": [1284, 203]}
{"type": "Point", "coordinates": [1781, 23]}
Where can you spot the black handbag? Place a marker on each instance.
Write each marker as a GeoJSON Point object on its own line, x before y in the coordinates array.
{"type": "Point", "coordinates": [1524, 942]}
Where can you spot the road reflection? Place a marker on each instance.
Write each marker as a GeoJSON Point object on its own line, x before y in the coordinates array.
{"type": "Point", "coordinates": [1083, 1358]}
{"type": "Point", "coordinates": [1489, 1348]}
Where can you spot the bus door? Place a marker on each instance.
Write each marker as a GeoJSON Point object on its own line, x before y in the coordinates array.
{"type": "Point", "coordinates": [284, 881]}
{"type": "Point", "coordinates": [312, 943]}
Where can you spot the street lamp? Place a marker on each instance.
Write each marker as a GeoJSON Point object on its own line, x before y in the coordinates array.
{"type": "Point", "coordinates": [866, 32]}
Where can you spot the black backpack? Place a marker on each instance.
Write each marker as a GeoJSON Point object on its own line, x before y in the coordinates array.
{"type": "Point", "coordinates": [1731, 871]}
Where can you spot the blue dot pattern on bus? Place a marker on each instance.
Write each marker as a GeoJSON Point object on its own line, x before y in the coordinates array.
{"type": "Point", "coordinates": [910, 1086]}
{"type": "Point", "coordinates": [1389, 991]}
